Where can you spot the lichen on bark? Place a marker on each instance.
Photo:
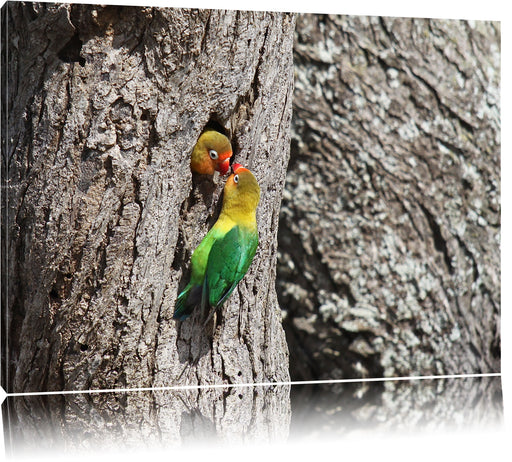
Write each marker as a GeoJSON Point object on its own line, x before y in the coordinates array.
{"type": "Point", "coordinates": [389, 235]}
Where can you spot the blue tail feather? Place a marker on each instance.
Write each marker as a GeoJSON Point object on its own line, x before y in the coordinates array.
{"type": "Point", "coordinates": [187, 300]}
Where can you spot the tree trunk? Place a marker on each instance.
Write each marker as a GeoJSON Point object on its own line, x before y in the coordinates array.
{"type": "Point", "coordinates": [105, 104]}
{"type": "Point", "coordinates": [389, 234]}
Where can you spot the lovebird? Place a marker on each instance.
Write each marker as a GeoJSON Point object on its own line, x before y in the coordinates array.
{"type": "Point", "coordinates": [211, 152]}
{"type": "Point", "coordinates": [223, 257]}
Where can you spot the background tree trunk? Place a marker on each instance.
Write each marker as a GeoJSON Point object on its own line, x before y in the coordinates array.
{"type": "Point", "coordinates": [105, 105]}
{"type": "Point", "coordinates": [389, 233]}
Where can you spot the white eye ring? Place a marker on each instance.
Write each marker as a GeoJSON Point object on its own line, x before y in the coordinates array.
{"type": "Point", "coordinates": [213, 154]}
{"type": "Point", "coordinates": [235, 178]}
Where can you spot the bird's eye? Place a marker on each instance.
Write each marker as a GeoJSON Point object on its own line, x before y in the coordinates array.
{"type": "Point", "coordinates": [235, 178]}
{"type": "Point", "coordinates": [213, 154]}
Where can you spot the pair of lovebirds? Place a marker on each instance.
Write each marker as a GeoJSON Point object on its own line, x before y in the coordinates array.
{"type": "Point", "coordinates": [223, 257]}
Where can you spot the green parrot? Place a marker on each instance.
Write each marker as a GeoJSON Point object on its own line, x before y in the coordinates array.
{"type": "Point", "coordinates": [211, 152]}
{"type": "Point", "coordinates": [223, 257]}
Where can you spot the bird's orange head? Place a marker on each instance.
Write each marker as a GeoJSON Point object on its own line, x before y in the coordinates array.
{"type": "Point", "coordinates": [211, 153]}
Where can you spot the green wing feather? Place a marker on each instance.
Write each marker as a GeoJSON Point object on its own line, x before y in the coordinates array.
{"type": "Point", "coordinates": [228, 261]}
{"type": "Point", "coordinates": [194, 293]}
{"type": "Point", "coordinates": [218, 264]}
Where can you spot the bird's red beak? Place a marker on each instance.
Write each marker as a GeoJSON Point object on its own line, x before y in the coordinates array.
{"type": "Point", "coordinates": [235, 167]}
{"type": "Point", "coordinates": [224, 167]}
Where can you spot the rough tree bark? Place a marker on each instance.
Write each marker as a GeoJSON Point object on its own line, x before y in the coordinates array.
{"type": "Point", "coordinates": [105, 104]}
{"type": "Point", "coordinates": [390, 227]}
